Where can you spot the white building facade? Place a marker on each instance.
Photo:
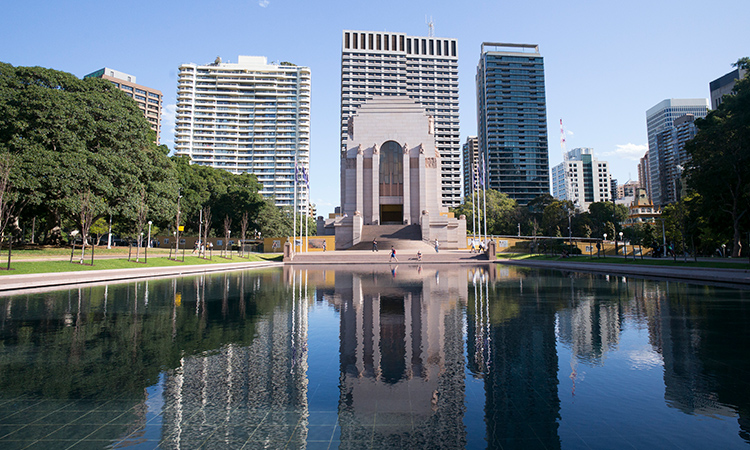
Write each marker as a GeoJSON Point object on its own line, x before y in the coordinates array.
{"type": "Point", "coordinates": [248, 116]}
{"type": "Point", "coordinates": [424, 69]}
{"type": "Point", "coordinates": [582, 179]}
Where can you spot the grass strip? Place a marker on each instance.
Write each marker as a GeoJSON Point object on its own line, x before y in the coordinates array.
{"type": "Point", "coordinates": [30, 267]}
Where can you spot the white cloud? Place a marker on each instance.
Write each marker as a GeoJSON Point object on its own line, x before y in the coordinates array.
{"type": "Point", "coordinates": [168, 125]}
{"type": "Point", "coordinates": [633, 152]}
{"type": "Point", "coordinates": [644, 359]}
{"type": "Point", "coordinates": [263, 3]}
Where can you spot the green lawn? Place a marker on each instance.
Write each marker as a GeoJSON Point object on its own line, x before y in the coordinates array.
{"type": "Point", "coordinates": [668, 262]}
{"type": "Point", "coordinates": [26, 267]}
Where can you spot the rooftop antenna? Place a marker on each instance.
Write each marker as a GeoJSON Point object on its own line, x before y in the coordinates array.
{"type": "Point", "coordinates": [430, 26]}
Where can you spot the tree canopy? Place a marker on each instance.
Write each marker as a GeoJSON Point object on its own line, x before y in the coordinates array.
{"type": "Point", "coordinates": [74, 139]}
{"type": "Point", "coordinates": [719, 168]}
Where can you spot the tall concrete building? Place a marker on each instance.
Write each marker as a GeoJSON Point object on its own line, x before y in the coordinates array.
{"type": "Point", "coordinates": [423, 68]}
{"type": "Point", "coordinates": [582, 179]}
{"type": "Point", "coordinates": [512, 120]}
{"type": "Point", "coordinates": [666, 144]}
{"type": "Point", "coordinates": [470, 158]}
{"type": "Point", "coordinates": [149, 100]}
{"type": "Point", "coordinates": [723, 86]}
{"type": "Point", "coordinates": [248, 116]}
{"type": "Point", "coordinates": [644, 179]}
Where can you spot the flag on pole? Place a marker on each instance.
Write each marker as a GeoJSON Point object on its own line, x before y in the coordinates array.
{"type": "Point", "coordinates": [482, 169]}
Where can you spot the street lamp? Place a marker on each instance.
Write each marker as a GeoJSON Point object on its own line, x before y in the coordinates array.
{"type": "Point", "coordinates": [604, 250]}
{"type": "Point", "coordinates": [149, 234]}
{"type": "Point", "coordinates": [624, 249]}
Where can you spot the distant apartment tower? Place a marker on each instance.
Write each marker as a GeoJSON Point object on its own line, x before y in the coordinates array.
{"type": "Point", "coordinates": [665, 147]}
{"type": "Point", "coordinates": [512, 120]}
{"type": "Point", "coordinates": [628, 189]}
{"type": "Point", "coordinates": [149, 100]}
{"type": "Point", "coordinates": [724, 85]}
{"type": "Point", "coordinates": [248, 116]}
{"type": "Point", "coordinates": [644, 180]}
{"type": "Point", "coordinates": [470, 157]}
{"type": "Point", "coordinates": [582, 179]}
{"type": "Point", "coordinates": [423, 68]}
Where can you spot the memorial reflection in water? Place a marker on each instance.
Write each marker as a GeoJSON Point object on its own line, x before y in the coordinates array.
{"type": "Point", "coordinates": [383, 357]}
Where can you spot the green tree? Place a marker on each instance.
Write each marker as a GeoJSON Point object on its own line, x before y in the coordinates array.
{"type": "Point", "coordinates": [71, 136]}
{"type": "Point", "coordinates": [719, 168]}
{"type": "Point", "coordinates": [500, 212]}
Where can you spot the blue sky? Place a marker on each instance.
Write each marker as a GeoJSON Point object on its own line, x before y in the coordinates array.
{"type": "Point", "coordinates": [606, 63]}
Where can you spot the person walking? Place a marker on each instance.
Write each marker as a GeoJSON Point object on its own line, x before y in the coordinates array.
{"type": "Point", "coordinates": [437, 246]}
{"type": "Point", "coordinates": [419, 255]}
{"type": "Point", "coordinates": [393, 255]}
{"type": "Point", "coordinates": [375, 245]}
{"type": "Point", "coordinates": [324, 245]}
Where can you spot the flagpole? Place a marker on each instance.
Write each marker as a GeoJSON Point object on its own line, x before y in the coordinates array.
{"type": "Point", "coordinates": [473, 204]}
{"type": "Point", "coordinates": [484, 185]}
{"type": "Point", "coordinates": [294, 212]}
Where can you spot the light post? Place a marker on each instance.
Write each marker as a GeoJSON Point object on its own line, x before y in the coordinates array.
{"type": "Point", "coordinates": [604, 250]}
{"type": "Point", "coordinates": [177, 231]}
{"type": "Point", "coordinates": [149, 234]}
{"type": "Point", "coordinates": [624, 248]}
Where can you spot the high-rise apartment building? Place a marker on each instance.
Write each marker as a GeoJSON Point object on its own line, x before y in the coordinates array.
{"type": "Point", "coordinates": [582, 179]}
{"type": "Point", "coordinates": [723, 86]}
{"type": "Point", "coordinates": [644, 179]}
{"type": "Point", "coordinates": [423, 68]}
{"type": "Point", "coordinates": [149, 100]}
{"type": "Point", "coordinates": [470, 159]}
{"type": "Point", "coordinates": [666, 144]}
{"type": "Point", "coordinates": [512, 120]}
{"type": "Point", "coordinates": [248, 116]}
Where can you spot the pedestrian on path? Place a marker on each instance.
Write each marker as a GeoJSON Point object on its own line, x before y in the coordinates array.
{"type": "Point", "coordinates": [324, 245]}
{"type": "Point", "coordinates": [419, 255]}
{"type": "Point", "coordinates": [437, 246]}
{"type": "Point", "coordinates": [374, 245]}
{"type": "Point", "coordinates": [393, 255]}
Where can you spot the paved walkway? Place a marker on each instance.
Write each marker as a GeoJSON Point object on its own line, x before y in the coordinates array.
{"type": "Point", "coordinates": [694, 274]}
{"type": "Point", "coordinates": [10, 283]}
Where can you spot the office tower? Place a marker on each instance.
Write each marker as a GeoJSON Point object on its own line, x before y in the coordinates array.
{"type": "Point", "coordinates": [644, 180]}
{"type": "Point", "coordinates": [248, 116]}
{"type": "Point", "coordinates": [664, 153]}
{"type": "Point", "coordinates": [512, 120]}
{"type": "Point", "coordinates": [582, 179]}
{"type": "Point", "coordinates": [723, 86]}
{"type": "Point", "coordinates": [148, 99]}
{"type": "Point", "coordinates": [470, 156]}
{"type": "Point", "coordinates": [423, 68]}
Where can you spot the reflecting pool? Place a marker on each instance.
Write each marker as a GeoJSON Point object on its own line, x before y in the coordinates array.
{"type": "Point", "coordinates": [413, 357]}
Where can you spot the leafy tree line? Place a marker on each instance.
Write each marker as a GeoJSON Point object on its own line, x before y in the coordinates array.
{"type": "Point", "coordinates": [543, 216]}
{"type": "Point", "coordinates": [74, 153]}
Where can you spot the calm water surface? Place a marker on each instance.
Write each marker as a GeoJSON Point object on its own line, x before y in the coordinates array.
{"type": "Point", "coordinates": [399, 357]}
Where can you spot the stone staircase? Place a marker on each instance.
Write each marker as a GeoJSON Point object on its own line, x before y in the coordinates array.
{"type": "Point", "coordinates": [402, 237]}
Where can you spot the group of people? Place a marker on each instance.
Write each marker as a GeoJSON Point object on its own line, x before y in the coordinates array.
{"type": "Point", "coordinates": [477, 248]}
{"type": "Point", "coordinates": [200, 249]}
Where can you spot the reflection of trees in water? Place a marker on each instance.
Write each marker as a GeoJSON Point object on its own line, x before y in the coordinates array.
{"type": "Point", "coordinates": [115, 340]}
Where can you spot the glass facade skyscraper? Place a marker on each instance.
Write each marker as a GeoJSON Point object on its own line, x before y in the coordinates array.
{"type": "Point", "coordinates": [512, 120]}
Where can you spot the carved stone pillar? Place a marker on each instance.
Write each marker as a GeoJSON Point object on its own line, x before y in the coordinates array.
{"type": "Point", "coordinates": [359, 181]}
{"type": "Point", "coordinates": [407, 186]}
{"type": "Point", "coordinates": [375, 219]}
{"type": "Point", "coordinates": [422, 180]}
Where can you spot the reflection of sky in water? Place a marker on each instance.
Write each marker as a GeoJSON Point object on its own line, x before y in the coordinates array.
{"type": "Point", "coordinates": [414, 358]}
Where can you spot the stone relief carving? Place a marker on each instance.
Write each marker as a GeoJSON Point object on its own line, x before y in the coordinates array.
{"type": "Point", "coordinates": [430, 125]}
{"type": "Point", "coordinates": [375, 149]}
{"type": "Point", "coordinates": [421, 149]}
{"type": "Point", "coordinates": [406, 148]}
{"type": "Point", "coordinates": [430, 163]}
{"type": "Point", "coordinates": [359, 150]}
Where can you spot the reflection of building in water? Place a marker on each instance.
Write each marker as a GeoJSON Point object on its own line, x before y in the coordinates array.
{"type": "Point", "coordinates": [521, 361]}
{"type": "Point", "coordinates": [402, 380]}
{"type": "Point", "coordinates": [257, 391]}
{"type": "Point", "coordinates": [590, 328]}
